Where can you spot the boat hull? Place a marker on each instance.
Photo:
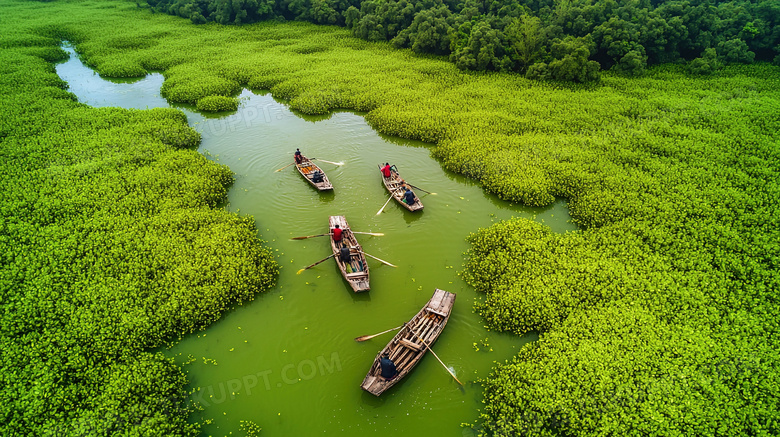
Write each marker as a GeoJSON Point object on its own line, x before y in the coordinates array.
{"type": "Point", "coordinates": [407, 348]}
{"type": "Point", "coordinates": [355, 272]}
{"type": "Point", "coordinates": [393, 185]}
{"type": "Point", "coordinates": [307, 168]}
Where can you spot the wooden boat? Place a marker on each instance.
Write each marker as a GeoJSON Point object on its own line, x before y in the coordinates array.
{"type": "Point", "coordinates": [356, 270]}
{"type": "Point", "coordinates": [406, 349]}
{"type": "Point", "coordinates": [307, 168]}
{"type": "Point", "coordinates": [393, 185]}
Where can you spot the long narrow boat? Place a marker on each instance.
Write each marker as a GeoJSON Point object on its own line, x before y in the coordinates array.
{"type": "Point", "coordinates": [394, 184]}
{"type": "Point", "coordinates": [307, 168]}
{"type": "Point", "coordinates": [356, 270]}
{"type": "Point", "coordinates": [406, 349]}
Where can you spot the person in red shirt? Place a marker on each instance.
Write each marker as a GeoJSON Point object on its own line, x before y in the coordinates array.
{"type": "Point", "coordinates": [386, 172]}
{"type": "Point", "coordinates": [337, 234]}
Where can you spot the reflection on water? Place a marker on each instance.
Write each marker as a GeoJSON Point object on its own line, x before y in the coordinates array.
{"type": "Point", "coordinates": [288, 360]}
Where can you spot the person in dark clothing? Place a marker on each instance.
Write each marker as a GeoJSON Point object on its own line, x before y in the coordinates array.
{"type": "Point", "coordinates": [388, 367]}
{"type": "Point", "coordinates": [316, 177]}
{"type": "Point", "coordinates": [409, 197]}
{"type": "Point", "coordinates": [344, 255]}
{"type": "Point", "coordinates": [337, 234]}
{"type": "Point", "coordinates": [298, 156]}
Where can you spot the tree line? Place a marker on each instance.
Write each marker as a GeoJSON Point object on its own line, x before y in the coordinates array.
{"type": "Point", "coordinates": [542, 39]}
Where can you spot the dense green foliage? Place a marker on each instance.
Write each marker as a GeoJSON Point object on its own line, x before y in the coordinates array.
{"type": "Point", "coordinates": [110, 244]}
{"type": "Point", "coordinates": [662, 317]}
{"type": "Point", "coordinates": [544, 39]}
{"type": "Point", "coordinates": [659, 318]}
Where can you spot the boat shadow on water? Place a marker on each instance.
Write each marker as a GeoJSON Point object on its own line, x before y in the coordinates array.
{"type": "Point", "coordinates": [411, 217]}
{"type": "Point", "coordinates": [324, 197]}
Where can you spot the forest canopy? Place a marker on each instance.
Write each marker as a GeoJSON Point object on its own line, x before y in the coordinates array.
{"type": "Point", "coordinates": [542, 39]}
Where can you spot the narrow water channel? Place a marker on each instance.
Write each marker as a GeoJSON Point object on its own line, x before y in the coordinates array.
{"type": "Point", "coordinates": [288, 360]}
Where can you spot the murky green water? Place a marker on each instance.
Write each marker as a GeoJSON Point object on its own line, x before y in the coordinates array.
{"type": "Point", "coordinates": [288, 360]}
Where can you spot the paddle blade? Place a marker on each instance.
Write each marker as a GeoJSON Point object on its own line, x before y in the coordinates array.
{"type": "Point", "coordinates": [364, 338]}
{"type": "Point", "coordinates": [330, 162]}
{"type": "Point", "coordinates": [300, 271]}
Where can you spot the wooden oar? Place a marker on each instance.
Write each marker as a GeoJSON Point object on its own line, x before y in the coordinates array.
{"type": "Point", "coordinates": [437, 357]}
{"type": "Point", "coordinates": [388, 201]}
{"type": "Point", "coordinates": [369, 337]}
{"type": "Point", "coordinates": [329, 162]}
{"type": "Point", "coordinates": [380, 260]}
{"type": "Point", "coordinates": [285, 166]}
{"type": "Point", "coordinates": [414, 186]}
{"type": "Point", "coordinates": [312, 265]}
{"type": "Point", "coordinates": [375, 234]}
{"type": "Point", "coordinates": [311, 236]}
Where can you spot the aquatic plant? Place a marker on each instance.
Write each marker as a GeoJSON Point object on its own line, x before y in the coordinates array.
{"type": "Point", "coordinates": [110, 245]}
{"type": "Point", "coordinates": [217, 103]}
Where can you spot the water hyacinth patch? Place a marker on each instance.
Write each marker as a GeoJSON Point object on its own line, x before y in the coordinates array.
{"type": "Point", "coordinates": [110, 246]}
{"type": "Point", "coordinates": [217, 104]}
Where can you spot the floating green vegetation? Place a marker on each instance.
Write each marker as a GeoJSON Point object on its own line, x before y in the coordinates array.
{"type": "Point", "coordinates": [110, 244]}
{"type": "Point", "coordinates": [659, 318]}
{"type": "Point", "coordinates": [217, 104]}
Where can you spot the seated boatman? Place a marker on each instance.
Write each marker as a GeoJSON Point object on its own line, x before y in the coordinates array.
{"type": "Point", "coordinates": [386, 172]}
{"type": "Point", "coordinates": [344, 255]}
{"type": "Point", "coordinates": [388, 367]}
{"type": "Point", "coordinates": [409, 196]}
{"type": "Point", "coordinates": [316, 177]}
{"type": "Point", "coordinates": [298, 156]}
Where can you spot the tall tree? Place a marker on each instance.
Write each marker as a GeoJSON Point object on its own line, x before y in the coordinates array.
{"type": "Point", "coordinates": [525, 40]}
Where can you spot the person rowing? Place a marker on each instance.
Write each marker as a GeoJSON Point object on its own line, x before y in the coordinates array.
{"type": "Point", "coordinates": [409, 197]}
{"type": "Point", "coordinates": [389, 371]}
{"type": "Point", "coordinates": [337, 231]}
{"type": "Point", "coordinates": [344, 254]}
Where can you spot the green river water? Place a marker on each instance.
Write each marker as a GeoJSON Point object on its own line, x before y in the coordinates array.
{"type": "Point", "coordinates": [288, 360]}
